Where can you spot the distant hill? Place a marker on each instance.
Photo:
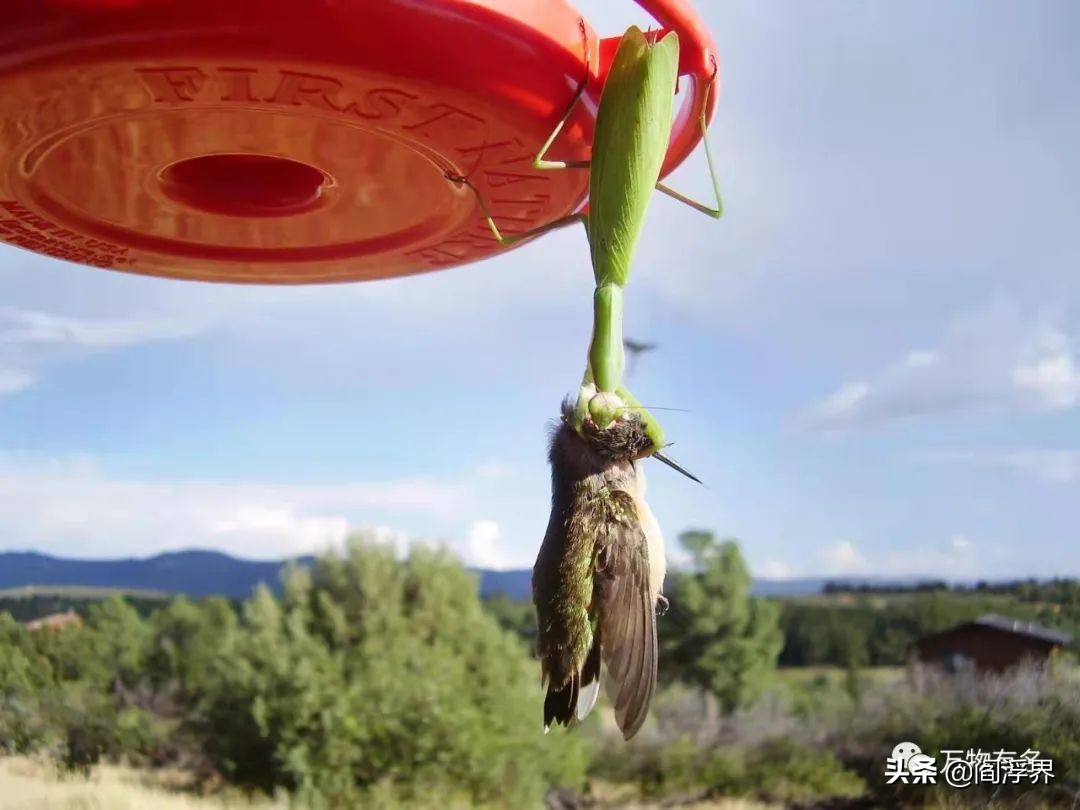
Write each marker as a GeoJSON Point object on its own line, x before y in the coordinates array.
{"type": "Point", "coordinates": [517, 584]}
{"type": "Point", "coordinates": [196, 573]}
{"type": "Point", "coordinates": [206, 573]}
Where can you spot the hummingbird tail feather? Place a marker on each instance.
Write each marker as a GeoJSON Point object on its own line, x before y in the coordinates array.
{"type": "Point", "coordinates": [561, 703]}
{"type": "Point", "coordinates": [590, 680]}
{"type": "Point", "coordinates": [628, 627]}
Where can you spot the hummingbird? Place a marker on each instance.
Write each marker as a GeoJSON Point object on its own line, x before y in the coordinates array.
{"type": "Point", "coordinates": [598, 578]}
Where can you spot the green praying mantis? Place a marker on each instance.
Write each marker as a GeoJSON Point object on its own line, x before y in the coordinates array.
{"type": "Point", "coordinates": [598, 577]}
{"type": "Point", "coordinates": [633, 127]}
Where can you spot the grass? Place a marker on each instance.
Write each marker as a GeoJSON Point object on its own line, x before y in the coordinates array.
{"type": "Point", "coordinates": [81, 592]}
{"type": "Point", "coordinates": [27, 784]}
{"type": "Point", "coordinates": [813, 689]}
{"type": "Point", "coordinates": [990, 602]}
{"type": "Point", "coordinates": [625, 797]}
{"type": "Point", "coordinates": [800, 676]}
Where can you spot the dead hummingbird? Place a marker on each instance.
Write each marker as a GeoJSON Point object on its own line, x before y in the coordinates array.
{"type": "Point", "coordinates": [600, 571]}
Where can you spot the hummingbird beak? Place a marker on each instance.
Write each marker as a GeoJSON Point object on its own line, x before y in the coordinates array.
{"type": "Point", "coordinates": [676, 467]}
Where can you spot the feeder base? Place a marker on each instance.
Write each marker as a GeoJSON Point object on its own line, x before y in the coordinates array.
{"type": "Point", "coordinates": [278, 142]}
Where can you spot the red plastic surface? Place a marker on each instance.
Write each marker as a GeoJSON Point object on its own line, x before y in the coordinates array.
{"type": "Point", "coordinates": [699, 64]}
{"type": "Point", "coordinates": [267, 141]}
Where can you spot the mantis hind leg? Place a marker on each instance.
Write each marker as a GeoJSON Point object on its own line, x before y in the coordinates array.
{"type": "Point", "coordinates": [539, 162]}
{"type": "Point", "coordinates": [717, 212]}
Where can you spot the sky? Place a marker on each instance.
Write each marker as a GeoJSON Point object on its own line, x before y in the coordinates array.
{"type": "Point", "coordinates": [877, 347]}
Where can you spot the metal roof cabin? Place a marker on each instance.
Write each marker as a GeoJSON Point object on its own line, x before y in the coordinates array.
{"type": "Point", "coordinates": [55, 621]}
{"type": "Point", "coordinates": [989, 644]}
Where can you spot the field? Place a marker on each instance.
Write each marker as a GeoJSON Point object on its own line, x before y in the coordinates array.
{"type": "Point", "coordinates": [27, 784]}
{"type": "Point", "coordinates": [34, 601]}
{"type": "Point", "coordinates": [78, 593]}
{"type": "Point", "coordinates": [321, 695]}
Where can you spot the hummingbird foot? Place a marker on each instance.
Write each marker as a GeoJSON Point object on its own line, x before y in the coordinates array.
{"type": "Point", "coordinates": [662, 605]}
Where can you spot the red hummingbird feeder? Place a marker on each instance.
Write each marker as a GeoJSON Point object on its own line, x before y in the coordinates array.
{"type": "Point", "coordinates": [291, 142]}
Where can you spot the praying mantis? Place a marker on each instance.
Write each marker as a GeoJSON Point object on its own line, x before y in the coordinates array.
{"type": "Point", "coordinates": [633, 126]}
{"type": "Point", "coordinates": [598, 577]}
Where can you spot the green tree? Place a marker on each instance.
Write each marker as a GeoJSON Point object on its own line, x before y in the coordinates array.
{"type": "Point", "coordinates": [25, 678]}
{"type": "Point", "coordinates": [716, 635]}
{"type": "Point", "coordinates": [516, 615]}
{"type": "Point", "coordinates": [372, 674]}
{"type": "Point", "coordinates": [109, 653]}
{"type": "Point", "coordinates": [117, 638]}
{"type": "Point", "coordinates": [186, 639]}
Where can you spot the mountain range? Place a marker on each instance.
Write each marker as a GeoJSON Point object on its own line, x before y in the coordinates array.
{"type": "Point", "coordinates": [204, 573]}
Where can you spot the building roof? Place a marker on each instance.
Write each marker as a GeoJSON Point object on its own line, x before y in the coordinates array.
{"type": "Point", "coordinates": [1008, 625]}
{"type": "Point", "coordinates": [55, 620]}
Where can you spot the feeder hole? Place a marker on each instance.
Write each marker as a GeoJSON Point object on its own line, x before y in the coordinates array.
{"type": "Point", "coordinates": [244, 185]}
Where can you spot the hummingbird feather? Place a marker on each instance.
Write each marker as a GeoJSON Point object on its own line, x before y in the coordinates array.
{"type": "Point", "coordinates": [628, 625]}
{"type": "Point", "coordinates": [593, 586]}
{"type": "Point", "coordinates": [590, 680]}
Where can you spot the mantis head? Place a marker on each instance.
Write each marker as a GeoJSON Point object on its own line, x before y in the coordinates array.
{"type": "Point", "coordinates": [605, 418]}
{"type": "Point", "coordinates": [597, 410]}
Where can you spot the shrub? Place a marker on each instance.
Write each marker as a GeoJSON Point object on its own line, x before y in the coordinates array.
{"type": "Point", "coordinates": [790, 772]}
{"type": "Point", "coordinates": [371, 676]}
{"type": "Point", "coordinates": [777, 769]}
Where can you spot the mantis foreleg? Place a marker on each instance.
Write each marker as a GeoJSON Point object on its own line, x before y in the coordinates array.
{"type": "Point", "coordinates": [652, 427]}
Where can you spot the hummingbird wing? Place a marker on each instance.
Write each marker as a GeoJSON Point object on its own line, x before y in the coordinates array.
{"type": "Point", "coordinates": [562, 590]}
{"type": "Point", "coordinates": [627, 617]}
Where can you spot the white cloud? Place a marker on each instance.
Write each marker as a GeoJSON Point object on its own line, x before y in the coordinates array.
{"type": "Point", "coordinates": [950, 560]}
{"type": "Point", "coordinates": [494, 471]}
{"type": "Point", "coordinates": [483, 545]}
{"type": "Point", "coordinates": [776, 569]}
{"type": "Point", "coordinates": [12, 381]}
{"type": "Point", "coordinates": [1056, 466]}
{"type": "Point", "coordinates": [921, 359]}
{"type": "Point", "coordinates": [28, 327]}
{"type": "Point", "coordinates": [1052, 382]}
{"type": "Point", "coordinates": [843, 558]}
{"type": "Point", "coordinates": [960, 542]}
{"type": "Point", "coordinates": [993, 356]}
{"type": "Point", "coordinates": [280, 527]}
{"type": "Point", "coordinates": [30, 339]}
{"type": "Point", "coordinates": [72, 507]}
{"type": "Point", "coordinates": [953, 561]}
{"type": "Point", "coordinates": [843, 404]}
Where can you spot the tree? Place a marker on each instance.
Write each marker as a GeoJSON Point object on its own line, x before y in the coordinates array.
{"type": "Point", "coordinates": [716, 635]}
{"type": "Point", "coordinates": [371, 674]}
{"type": "Point", "coordinates": [516, 615]}
{"type": "Point", "coordinates": [25, 676]}
{"type": "Point", "coordinates": [187, 638]}
{"type": "Point", "coordinates": [119, 640]}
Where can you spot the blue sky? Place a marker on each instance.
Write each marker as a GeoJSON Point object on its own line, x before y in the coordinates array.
{"type": "Point", "coordinates": [879, 344]}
